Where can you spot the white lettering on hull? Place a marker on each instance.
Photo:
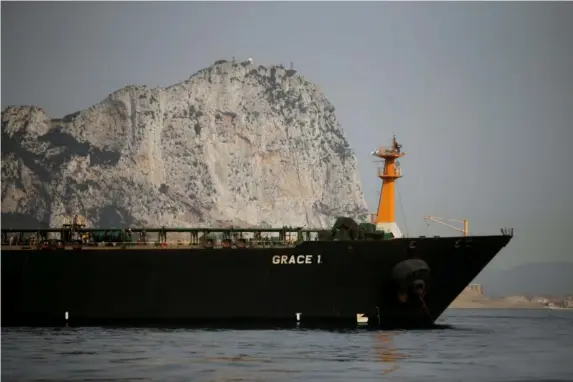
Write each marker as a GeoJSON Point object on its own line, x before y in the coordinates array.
{"type": "Point", "coordinates": [296, 259]}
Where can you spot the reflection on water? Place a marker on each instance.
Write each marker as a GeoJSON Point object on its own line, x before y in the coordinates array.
{"type": "Point", "coordinates": [477, 346]}
{"type": "Point", "coordinates": [386, 351]}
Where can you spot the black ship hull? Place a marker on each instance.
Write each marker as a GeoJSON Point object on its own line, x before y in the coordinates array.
{"type": "Point", "coordinates": [315, 283]}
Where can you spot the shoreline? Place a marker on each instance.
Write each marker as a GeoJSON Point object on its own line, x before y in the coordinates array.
{"type": "Point", "coordinates": [500, 307]}
{"type": "Point", "coordinates": [478, 301]}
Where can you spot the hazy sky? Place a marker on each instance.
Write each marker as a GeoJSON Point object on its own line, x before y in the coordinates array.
{"type": "Point", "coordinates": [479, 94]}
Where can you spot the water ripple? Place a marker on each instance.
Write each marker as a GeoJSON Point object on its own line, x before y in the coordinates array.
{"type": "Point", "coordinates": [501, 346]}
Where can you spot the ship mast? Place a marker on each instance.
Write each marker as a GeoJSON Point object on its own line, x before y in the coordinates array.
{"type": "Point", "coordinates": [385, 219]}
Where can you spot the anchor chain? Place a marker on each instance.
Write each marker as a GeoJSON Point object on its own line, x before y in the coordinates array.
{"type": "Point", "coordinates": [425, 308]}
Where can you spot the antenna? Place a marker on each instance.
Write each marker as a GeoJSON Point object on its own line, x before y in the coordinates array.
{"type": "Point", "coordinates": [291, 65]}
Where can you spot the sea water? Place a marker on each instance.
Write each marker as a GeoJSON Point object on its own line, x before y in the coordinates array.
{"type": "Point", "coordinates": [469, 345]}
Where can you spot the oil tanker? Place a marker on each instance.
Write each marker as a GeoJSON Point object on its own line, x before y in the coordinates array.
{"type": "Point", "coordinates": [364, 273]}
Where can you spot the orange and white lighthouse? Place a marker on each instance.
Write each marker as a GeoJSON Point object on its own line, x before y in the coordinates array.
{"type": "Point", "coordinates": [385, 219]}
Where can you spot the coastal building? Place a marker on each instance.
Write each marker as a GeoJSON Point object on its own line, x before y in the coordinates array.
{"type": "Point", "coordinates": [474, 288]}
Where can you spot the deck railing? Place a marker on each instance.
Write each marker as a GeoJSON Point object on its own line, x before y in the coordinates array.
{"type": "Point", "coordinates": [86, 238]}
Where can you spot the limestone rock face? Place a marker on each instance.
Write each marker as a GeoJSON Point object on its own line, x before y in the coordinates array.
{"type": "Point", "coordinates": [234, 144]}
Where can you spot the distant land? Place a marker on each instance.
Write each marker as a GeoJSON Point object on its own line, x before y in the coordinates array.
{"type": "Point", "coordinates": [473, 297]}
{"type": "Point", "coordinates": [546, 279]}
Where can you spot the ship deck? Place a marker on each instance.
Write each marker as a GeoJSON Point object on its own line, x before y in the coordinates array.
{"type": "Point", "coordinates": [138, 247]}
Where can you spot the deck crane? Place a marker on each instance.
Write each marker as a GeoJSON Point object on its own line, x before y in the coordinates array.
{"type": "Point", "coordinates": [438, 220]}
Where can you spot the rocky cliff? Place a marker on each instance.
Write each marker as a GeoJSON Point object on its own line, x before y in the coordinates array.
{"type": "Point", "coordinates": [236, 143]}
